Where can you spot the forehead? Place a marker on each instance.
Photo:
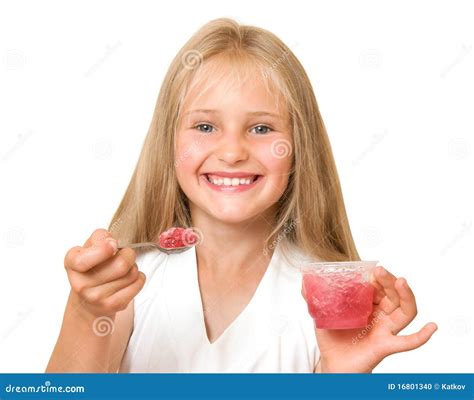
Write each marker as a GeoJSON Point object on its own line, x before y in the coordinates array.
{"type": "Point", "coordinates": [221, 82]}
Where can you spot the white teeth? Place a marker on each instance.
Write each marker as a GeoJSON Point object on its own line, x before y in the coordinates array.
{"type": "Point", "coordinates": [230, 181]}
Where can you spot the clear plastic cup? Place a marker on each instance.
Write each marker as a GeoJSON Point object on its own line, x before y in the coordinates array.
{"type": "Point", "coordinates": [339, 294]}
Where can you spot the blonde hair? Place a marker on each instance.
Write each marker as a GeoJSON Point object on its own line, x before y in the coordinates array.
{"type": "Point", "coordinates": [311, 214]}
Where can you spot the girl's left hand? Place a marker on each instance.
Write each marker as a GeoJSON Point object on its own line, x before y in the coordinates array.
{"type": "Point", "coordinates": [360, 350]}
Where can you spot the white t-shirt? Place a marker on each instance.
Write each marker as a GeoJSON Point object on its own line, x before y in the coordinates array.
{"type": "Point", "coordinates": [273, 333]}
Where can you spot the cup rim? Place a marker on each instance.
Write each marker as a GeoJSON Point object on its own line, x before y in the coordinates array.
{"type": "Point", "coordinates": [336, 266]}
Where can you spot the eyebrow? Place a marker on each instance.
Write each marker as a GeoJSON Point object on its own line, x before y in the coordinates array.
{"type": "Point", "coordinates": [253, 113]}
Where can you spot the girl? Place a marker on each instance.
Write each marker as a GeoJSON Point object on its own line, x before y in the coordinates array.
{"type": "Point", "coordinates": [237, 149]}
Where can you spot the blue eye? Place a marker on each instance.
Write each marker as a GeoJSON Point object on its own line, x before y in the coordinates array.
{"type": "Point", "coordinates": [262, 129]}
{"type": "Point", "coordinates": [206, 128]}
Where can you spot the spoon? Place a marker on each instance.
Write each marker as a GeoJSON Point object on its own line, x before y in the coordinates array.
{"type": "Point", "coordinates": [174, 240]}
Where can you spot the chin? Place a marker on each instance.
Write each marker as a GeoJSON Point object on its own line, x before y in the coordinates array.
{"type": "Point", "coordinates": [233, 216]}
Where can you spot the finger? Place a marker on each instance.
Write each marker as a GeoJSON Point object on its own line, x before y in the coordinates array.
{"type": "Point", "coordinates": [413, 341]}
{"type": "Point", "coordinates": [374, 282]}
{"type": "Point", "coordinates": [97, 236]}
{"type": "Point", "coordinates": [387, 280]}
{"type": "Point", "coordinates": [407, 311]}
{"type": "Point", "coordinates": [379, 294]}
{"type": "Point", "coordinates": [81, 282]}
{"type": "Point", "coordinates": [303, 292]}
{"type": "Point", "coordinates": [121, 299]}
{"type": "Point", "coordinates": [96, 293]}
{"type": "Point", "coordinates": [115, 267]}
{"type": "Point", "coordinates": [407, 298]}
{"type": "Point", "coordinates": [82, 259]}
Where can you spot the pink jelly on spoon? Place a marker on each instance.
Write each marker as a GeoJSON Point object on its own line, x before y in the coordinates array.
{"type": "Point", "coordinates": [178, 237]}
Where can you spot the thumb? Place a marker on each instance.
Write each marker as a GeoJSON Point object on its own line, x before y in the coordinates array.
{"type": "Point", "coordinates": [303, 292]}
{"type": "Point", "coordinates": [97, 236]}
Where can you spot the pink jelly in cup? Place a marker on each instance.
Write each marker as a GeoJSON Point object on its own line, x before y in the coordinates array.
{"type": "Point", "coordinates": [339, 294]}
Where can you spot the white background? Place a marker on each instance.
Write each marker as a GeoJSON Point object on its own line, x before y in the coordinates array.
{"type": "Point", "coordinates": [394, 81]}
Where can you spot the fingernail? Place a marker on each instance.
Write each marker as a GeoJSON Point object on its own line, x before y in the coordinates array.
{"type": "Point", "coordinates": [113, 243]}
{"type": "Point", "coordinates": [104, 236]}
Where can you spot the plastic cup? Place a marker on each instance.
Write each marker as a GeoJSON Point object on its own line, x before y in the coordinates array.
{"type": "Point", "coordinates": [339, 294]}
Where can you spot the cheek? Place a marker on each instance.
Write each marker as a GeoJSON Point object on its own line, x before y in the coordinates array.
{"type": "Point", "coordinates": [277, 164]}
{"type": "Point", "coordinates": [190, 154]}
{"type": "Point", "coordinates": [279, 176]}
{"type": "Point", "coordinates": [276, 168]}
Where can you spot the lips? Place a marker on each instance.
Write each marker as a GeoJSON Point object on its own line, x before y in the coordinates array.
{"type": "Point", "coordinates": [237, 174]}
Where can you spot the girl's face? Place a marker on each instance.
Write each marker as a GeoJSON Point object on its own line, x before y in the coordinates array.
{"type": "Point", "coordinates": [233, 149]}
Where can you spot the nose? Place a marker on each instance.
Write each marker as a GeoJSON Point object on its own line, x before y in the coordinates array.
{"type": "Point", "coordinates": [232, 147]}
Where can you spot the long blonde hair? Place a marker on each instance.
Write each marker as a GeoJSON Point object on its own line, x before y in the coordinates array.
{"type": "Point", "coordinates": [311, 213]}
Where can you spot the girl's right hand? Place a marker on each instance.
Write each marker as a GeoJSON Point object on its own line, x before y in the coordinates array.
{"type": "Point", "coordinates": [103, 280]}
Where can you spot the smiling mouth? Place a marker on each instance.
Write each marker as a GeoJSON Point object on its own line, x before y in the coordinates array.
{"type": "Point", "coordinates": [231, 182]}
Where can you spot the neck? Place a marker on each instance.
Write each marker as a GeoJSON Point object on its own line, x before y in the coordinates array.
{"type": "Point", "coordinates": [228, 248]}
